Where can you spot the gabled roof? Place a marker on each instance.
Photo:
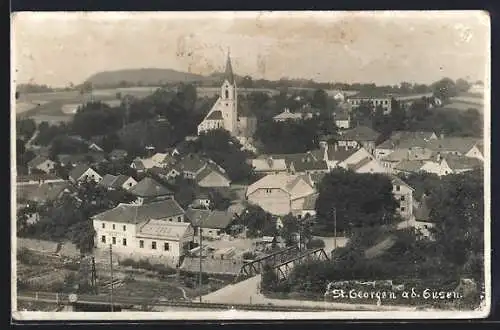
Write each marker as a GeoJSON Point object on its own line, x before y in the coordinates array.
{"type": "Point", "coordinates": [208, 218]}
{"type": "Point", "coordinates": [107, 181]}
{"type": "Point", "coordinates": [38, 160]}
{"type": "Point", "coordinates": [462, 162]}
{"type": "Point", "coordinates": [162, 229]}
{"type": "Point", "coordinates": [78, 171]}
{"type": "Point", "coordinates": [148, 187]}
{"type": "Point", "coordinates": [286, 182]}
{"type": "Point", "coordinates": [359, 133]}
{"type": "Point", "coordinates": [359, 164]}
{"type": "Point", "coordinates": [192, 163]}
{"type": "Point", "coordinates": [340, 154]}
{"type": "Point", "coordinates": [207, 171]}
{"type": "Point", "coordinates": [288, 115]}
{"type": "Point", "coordinates": [410, 165]}
{"type": "Point", "coordinates": [269, 164]}
{"type": "Point", "coordinates": [398, 182]}
{"type": "Point", "coordinates": [215, 115]}
{"type": "Point", "coordinates": [45, 192]}
{"type": "Point", "coordinates": [370, 95]}
{"type": "Point", "coordinates": [120, 180]}
{"type": "Point", "coordinates": [310, 166]}
{"type": "Point", "coordinates": [450, 144]}
{"type": "Point", "coordinates": [131, 213]}
{"type": "Point", "coordinates": [480, 146]}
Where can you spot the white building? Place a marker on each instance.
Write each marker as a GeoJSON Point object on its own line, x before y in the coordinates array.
{"type": "Point", "coordinates": [157, 229]}
{"type": "Point", "coordinates": [224, 113]}
{"type": "Point", "coordinates": [83, 173]}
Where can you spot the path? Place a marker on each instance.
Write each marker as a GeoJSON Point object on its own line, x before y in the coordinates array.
{"type": "Point", "coordinates": [247, 292]}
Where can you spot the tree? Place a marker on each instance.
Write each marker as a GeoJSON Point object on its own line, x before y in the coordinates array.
{"type": "Point", "coordinates": [444, 89]}
{"type": "Point", "coordinates": [462, 85]}
{"type": "Point", "coordinates": [319, 99]}
{"type": "Point", "coordinates": [258, 222]}
{"type": "Point", "coordinates": [219, 201]}
{"type": "Point", "coordinates": [359, 200]}
{"type": "Point", "coordinates": [293, 226]}
{"type": "Point", "coordinates": [246, 82]}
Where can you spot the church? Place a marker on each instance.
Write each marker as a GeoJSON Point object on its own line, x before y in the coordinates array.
{"type": "Point", "coordinates": [226, 113]}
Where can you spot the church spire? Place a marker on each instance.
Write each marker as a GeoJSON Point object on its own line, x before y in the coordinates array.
{"type": "Point", "coordinates": [229, 69]}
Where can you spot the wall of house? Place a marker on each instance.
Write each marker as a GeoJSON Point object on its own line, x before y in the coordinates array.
{"type": "Point", "coordinates": [404, 197]}
{"type": "Point", "coordinates": [275, 201]}
{"type": "Point", "coordinates": [436, 168]}
{"type": "Point", "coordinates": [381, 153]}
{"type": "Point", "coordinates": [129, 183]}
{"type": "Point", "coordinates": [92, 175]}
{"type": "Point", "coordinates": [214, 179]}
{"type": "Point", "coordinates": [372, 167]}
{"type": "Point", "coordinates": [348, 144]}
{"type": "Point", "coordinates": [342, 124]}
{"type": "Point", "coordinates": [355, 157]}
{"type": "Point", "coordinates": [120, 231]}
{"type": "Point", "coordinates": [475, 153]}
{"type": "Point", "coordinates": [211, 232]}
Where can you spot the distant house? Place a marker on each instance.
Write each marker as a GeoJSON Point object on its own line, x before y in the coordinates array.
{"type": "Point", "coordinates": [413, 166]}
{"type": "Point", "coordinates": [439, 165]}
{"type": "Point", "coordinates": [161, 160]}
{"type": "Point", "coordinates": [342, 119]}
{"type": "Point", "coordinates": [343, 158]}
{"type": "Point", "coordinates": [191, 165]}
{"type": "Point", "coordinates": [269, 165]}
{"type": "Point", "coordinates": [44, 193]}
{"type": "Point", "coordinates": [367, 165]}
{"type": "Point", "coordinates": [360, 136]}
{"type": "Point", "coordinates": [403, 140]}
{"type": "Point", "coordinates": [113, 182]}
{"type": "Point", "coordinates": [477, 151]}
{"type": "Point", "coordinates": [148, 190]}
{"type": "Point", "coordinates": [403, 194]}
{"type": "Point", "coordinates": [309, 167]}
{"type": "Point", "coordinates": [452, 164]}
{"type": "Point", "coordinates": [212, 176]}
{"type": "Point", "coordinates": [309, 207]}
{"type": "Point", "coordinates": [374, 100]}
{"type": "Point", "coordinates": [201, 200]}
{"type": "Point", "coordinates": [280, 194]}
{"type": "Point", "coordinates": [397, 156]}
{"type": "Point", "coordinates": [118, 154]}
{"type": "Point", "coordinates": [41, 163]}
{"type": "Point", "coordinates": [82, 173]}
{"type": "Point", "coordinates": [422, 220]}
{"type": "Point", "coordinates": [89, 158]}
{"type": "Point", "coordinates": [165, 173]}
{"type": "Point", "coordinates": [213, 223]}
{"type": "Point", "coordinates": [287, 115]}
{"type": "Point", "coordinates": [459, 146]}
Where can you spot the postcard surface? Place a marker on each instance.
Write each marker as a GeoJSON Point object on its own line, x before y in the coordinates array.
{"type": "Point", "coordinates": [250, 165]}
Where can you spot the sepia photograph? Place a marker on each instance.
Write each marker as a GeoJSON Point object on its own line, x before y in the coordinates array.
{"type": "Point", "coordinates": [250, 165]}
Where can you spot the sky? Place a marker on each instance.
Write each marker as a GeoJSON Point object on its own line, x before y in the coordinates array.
{"type": "Point", "coordinates": [380, 47]}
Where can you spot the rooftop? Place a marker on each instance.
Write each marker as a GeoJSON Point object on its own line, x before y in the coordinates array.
{"type": "Point", "coordinates": [215, 115]}
{"type": "Point", "coordinates": [462, 162]}
{"type": "Point", "coordinates": [162, 229]}
{"type": "Point", "coordinates": [209, 218]}
{"type": "Point", "coordinates": [148, 187]}
{"type": "Point", "coordinates": [78, 171]}
{"type": "Point", "coordinates": [410, 165]}
{"type": "Point", "coordinates": [38, 160]}
{"type": "Point", "coordinates": [310, 166]}
{"type": "Point", "coordinates": [135, 214]}
{"type": "Point", "coordinates": [359, 133]}
{"type": "Point", "coordinates": [284, 181]}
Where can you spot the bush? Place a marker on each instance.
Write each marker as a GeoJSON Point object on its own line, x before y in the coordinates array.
{"type": "Point", "coordinates": [146, 265]}
{"type": "Point", "coordinates": [315, 243]}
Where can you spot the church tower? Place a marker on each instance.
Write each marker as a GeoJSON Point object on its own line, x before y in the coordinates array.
{"type": "Point", "coordinates": [229, 99]}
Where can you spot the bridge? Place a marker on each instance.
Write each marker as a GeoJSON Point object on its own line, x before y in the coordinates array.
{"type": "Point", "coordinates": [256, 266]}
{"type": "Point", "coordinates": [284, 269]}
{"type": "Point", "coordinates": [281, 261]}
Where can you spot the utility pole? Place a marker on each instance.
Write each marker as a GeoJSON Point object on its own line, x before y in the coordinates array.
{"type": "Point", "coordinates": [94, 276]}
{"type": "Point", "coordinates": [201, 273]}
{"type": "Point", "coordinates": [334, 230]}
{"type": "Point", "coordinates": [111, 264]}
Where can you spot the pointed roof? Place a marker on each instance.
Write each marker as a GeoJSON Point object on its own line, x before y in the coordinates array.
{"type": "Point", "coordinates": [228, 74]}
{"type": "Point", "coordinates": [148, 187]}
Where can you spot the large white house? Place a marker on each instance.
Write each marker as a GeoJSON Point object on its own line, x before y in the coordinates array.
{"type": "Point", "coordinates": [157, 229]}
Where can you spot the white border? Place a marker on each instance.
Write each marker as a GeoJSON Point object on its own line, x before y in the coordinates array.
{"type": "Point", "coordinates": [244, 315]}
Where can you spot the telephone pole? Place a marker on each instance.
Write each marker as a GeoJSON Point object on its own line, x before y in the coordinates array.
{"type": "Point", "coordinates": [334, 231]}
{"type": "Point", "coordinates": [201, 263]}
{"type": "Point", "coordinates": [111, 264]}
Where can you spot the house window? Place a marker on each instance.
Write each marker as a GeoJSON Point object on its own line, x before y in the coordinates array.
{"type": "Point", "coordinates": [124, 228]}
{"type": "Point", "coordinates": [170, 219]}
{"type": "Point", "coordinates": [179, 219]}
{"type": "Point", "coordinates": [113, 240]}
{"type": "Point", "coordinates": [103, 239]}
{"type": "Point", "coordinates": [218, 232]}
{"type": "Point", "coordinates": [402, 209]}
{"type": "Point", "coordinates": [113, 226]}
{"type": "Point", "coordinates": [402, 198]}
{"type": "Point", "coordinates": [153, 245]}
{"type": "Point", "coordinates": [103, 225]}
{"type": "Point", "coordinates": [141, 244]}
{"type": "Point", "coordinates": [166, 246]}
{"type": "Point", "coordinates": [124, 242]}
{"type": "Point", "coordinates": [398, 188]}
{"type": "Point", "coordinates": [227, 94]}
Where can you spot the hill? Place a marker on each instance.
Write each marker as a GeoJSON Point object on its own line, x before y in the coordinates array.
{"type": "Point", "coordinates": [146, 76]}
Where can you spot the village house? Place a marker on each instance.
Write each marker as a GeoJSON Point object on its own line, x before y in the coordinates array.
{"type": "Point", "coordinates": [412, 153]}
{"type": "Point", "coordinates": [148, 190]}
{"type": "Point", "coordinates": [459, 146]}
{"type": "Point", "coordinates": [269, 165]}
{"type": "Point", "coordinates": [403, 194]}
{"type": "Point", "coordinates": [360, 136]}
{"type": "Point", "coordinates": [213, 223]}
{"type": "Point", "coordinates": [191, 165]}
{"type": "Point", "coordinates": [287, 115]}
{"type": "Point", "coordinates": [43, 193]}
{"type": "Point", "coordinates": [151, 230]}
{"type": "Point", "coordinates": [165, 173]}
{"type": "Point", "coordinates": [280, 194]}
{"type": "Point", "coordinates": [201, 200]}
{"type": "Point", "coordinates": [308, 167]}
{"type": "Point", "coordinates": [367, 165]}
{"type": "Point", "coordinates": [162, 160]}
{"type": "Point", "coordinates": [41, 164]}
{"type": "Point", "coordinates": [83, 173]}
{"type": "Point", "coordinates": [342, 157]}
{"type": "Point", "coordinates": [212, 176]}
{"type": "Point", "coordinates": [403, 140]}
{"type": "Point", "coordinates": [309, 207]}
{"type": "Point", "coordinates": [373, 100]}
{"type": "Point", "coordinates": [342, 119]}
{"type": "Point", "coordinates": [477, 151]}
{"type": "Point", "coordinates": [453, 164]}
{"type": "Point", "coordinates": [421, 221]}
{"type": "Point", "coordinates": [112, 182]}
{"type": "Point", "coordinates": [439, 165]}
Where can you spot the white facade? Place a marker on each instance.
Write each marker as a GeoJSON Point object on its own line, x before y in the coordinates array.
{"type": "Point", "coordinates": [89, 174]}
{"type": "Point", "coordinates": [404, 196]}
{"type": "Point", "coordinates": [475, 153]}
{"type": "Point", "coordinates": [47, 166]}
{"type": "Point", "coordinates": [342, 123]}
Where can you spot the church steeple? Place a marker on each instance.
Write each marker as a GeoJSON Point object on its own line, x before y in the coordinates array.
{"type": "Point", "coordinates": [228, 74]}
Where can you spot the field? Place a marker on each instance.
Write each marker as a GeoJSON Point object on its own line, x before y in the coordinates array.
{"type": "Point", "coordinates": [467, 101]}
